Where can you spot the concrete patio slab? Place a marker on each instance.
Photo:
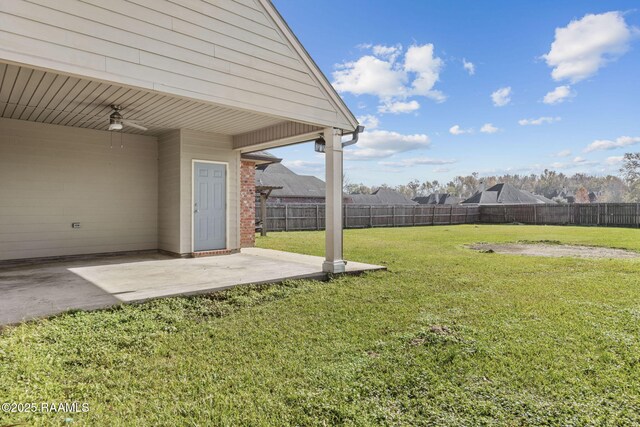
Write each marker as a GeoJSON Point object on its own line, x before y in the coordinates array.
{"type": "Point", "coordinates": [36, 290]}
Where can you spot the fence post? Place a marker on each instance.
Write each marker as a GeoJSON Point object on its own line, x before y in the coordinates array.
{"type": "Point", "coordinates": [346, 215]}
{"type": "Point", "coordinates": [637, 213]}
{"type": "Point", "coordinates": [286, 217]}
{"type": "Point", "coordinates": [393, 215]}
{"type": "Point", "coordinates": [317, 216]}
{"type": "Point", "coordinates": [505, 214]}
{"type": "Point", "coordinates": [598, 215]}
{"type": "Point", "coordinates": [451, 215]}
{"type": "Point", "coordinates": [413, 219]}
{"type": "Point", "coordinates": [535, 215]}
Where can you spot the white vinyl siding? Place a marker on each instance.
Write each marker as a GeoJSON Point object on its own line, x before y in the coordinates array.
{"type": "Point", "coordinates": [219, 51]}
{"type": "Point", "coordinates": [52, 176]}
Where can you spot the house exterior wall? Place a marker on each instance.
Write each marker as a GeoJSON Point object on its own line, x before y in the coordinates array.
{"type": "Point", "coordinates": [169, 192]}
{"type": "Point", "coordinates": [226, 52]}
{"type": "Point", "coordinates": [208, 147]}
{"type": "Point", "coordinates": [247, 204]}
{"type": "Point", "coordinates": [52, 176]}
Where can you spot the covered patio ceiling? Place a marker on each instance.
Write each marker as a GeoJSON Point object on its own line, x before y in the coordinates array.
{"type": "Point", "coordinates": [47, 97]}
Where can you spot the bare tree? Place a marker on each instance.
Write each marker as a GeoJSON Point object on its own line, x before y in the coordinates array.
{"type": "Point", "coordinates": [631, 173]}
{"type": "Point", "coordinates": [582, 195]}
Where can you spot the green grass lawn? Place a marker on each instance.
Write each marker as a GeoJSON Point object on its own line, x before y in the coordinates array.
{"type": "Point", "coordinates": [447, 336]}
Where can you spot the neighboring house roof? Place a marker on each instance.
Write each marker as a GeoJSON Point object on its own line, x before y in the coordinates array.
{"type": "Point", "coordinates": [438, 199]}
{"type": "Point", "coordinates": [262, 159]}
{"type": "Point", "coordinates": [540, 197]}
{"type": "Point", "coordinates": [382, 196]}
{"type": "Point", "coordinates": [293, 185]}
{"type": "Point", "coordinates": [505, 194]}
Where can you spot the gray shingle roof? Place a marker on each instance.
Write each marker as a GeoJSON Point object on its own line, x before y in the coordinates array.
{"type": "Point", "coordinates": [438, 199]}
{"type": "Point", "coordinates": [382, 196]}
{"type": "Point", "coordinates": [293, 185]}
{"type": "Point", "coordinates": [505, 194]}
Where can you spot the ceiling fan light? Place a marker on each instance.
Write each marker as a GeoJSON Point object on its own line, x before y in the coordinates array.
{"type": "Point", "coordinates": [115, 126]}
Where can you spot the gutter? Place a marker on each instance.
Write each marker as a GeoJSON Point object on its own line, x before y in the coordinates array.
{"type": "Point", "coordinates": [321, 143]}
{"type": "Point", "coordinates": [356, 135]}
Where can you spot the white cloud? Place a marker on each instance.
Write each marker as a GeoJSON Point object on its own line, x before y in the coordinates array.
{"type": "Point", "coordinates": [393, 81]}
{"type": "Point", "coordinates": [606, 144]}
{"type": "Point", "coordinates": [369, 121]}
{"type": "Point", "coordinates": [421, 60]}
{"type": "Point", "coordinates": [379, 144]}
{"type": "Point", "coordinates": [488, 128]}
{"type": "Point", "coordinates": [614, 160]}
{"type": "Point", "coordinates": [388, 52]}
{"type": "Point", "coordinates": [469, 66]}
{"type": "Point", "coordinates": [418, 161]}
{"type": "Point", "coordinates": [372, 76]}
{"type": "Point", "coordinates": [581, 48]}
{"type": "Point", "coordinates": [501, 97]}
{"type": "Point", "coordinates": [558, 95]}
{"type": "Point", "coordinates": [398, 107]}
{"type": "Point", "coordinates": [538, 121]}
{"type": "Point", "coordinates": [577, 162]}
{"type": "Point", "coordinates": [457, 130]}
{"type": "Point", "coordinates": [563, 153]}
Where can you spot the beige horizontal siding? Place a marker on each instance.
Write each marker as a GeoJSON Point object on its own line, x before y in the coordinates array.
{"type": "Point", "coordinates": [209, 147]}
{"type": "Point", "coordinates": [169, 192]}
{"type": "Point", "coordinates": [54, 175]}
{"type": "Point", "coordinates": [220, 51]}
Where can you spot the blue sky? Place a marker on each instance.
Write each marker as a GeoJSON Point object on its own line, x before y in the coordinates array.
{"type": "Point", "coordinates": [564, 77]}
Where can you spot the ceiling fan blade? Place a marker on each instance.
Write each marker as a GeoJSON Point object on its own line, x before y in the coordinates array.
{"type": "Point", "coordinates": [134, 125]}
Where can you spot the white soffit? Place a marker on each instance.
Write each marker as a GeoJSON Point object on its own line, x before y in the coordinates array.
{"type": "Point", "coordinates": [46, 97]}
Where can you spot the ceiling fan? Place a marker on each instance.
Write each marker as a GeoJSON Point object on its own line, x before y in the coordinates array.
{"type": "Point", "coordinates": [117, 122]}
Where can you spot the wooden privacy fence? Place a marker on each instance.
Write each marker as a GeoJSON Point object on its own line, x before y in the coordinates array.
{"type": "Point", "coordinates": [295, 217]}
{"type": "Point", "coordinates": [290, 217]}
{"type": "Point", "coordinates": [597, 214]}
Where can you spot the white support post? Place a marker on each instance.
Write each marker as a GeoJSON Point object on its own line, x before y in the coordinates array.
{"type": "Point", "coordinates": [333, 228]}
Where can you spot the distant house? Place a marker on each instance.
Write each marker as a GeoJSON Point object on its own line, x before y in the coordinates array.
{"type": "Point", "coordinates": [294, 188]}
{"type": "Point", "coordinates": [382, 196]}
{"type": "Point", "coordinates": [505, 194]}
{"type": "Point", "coordinates": [438, 199]}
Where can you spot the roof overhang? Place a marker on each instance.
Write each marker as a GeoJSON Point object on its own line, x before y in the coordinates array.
{"type": "Point", "coordinates": [45, 96]}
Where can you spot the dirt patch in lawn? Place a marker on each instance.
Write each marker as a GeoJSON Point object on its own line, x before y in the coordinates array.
{"type": "Point", "coordinates": [554, 250]}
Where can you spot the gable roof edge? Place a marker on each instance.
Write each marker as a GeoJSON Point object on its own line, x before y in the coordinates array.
{"type": "Point", "coordinates": [306, 57]}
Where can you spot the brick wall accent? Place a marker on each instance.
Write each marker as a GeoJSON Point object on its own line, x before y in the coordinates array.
{"type": "Point", "coordinates": [247, 204]}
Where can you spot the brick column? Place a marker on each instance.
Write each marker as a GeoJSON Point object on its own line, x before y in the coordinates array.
{"type": "Point", "coordinates": [247, 204]}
